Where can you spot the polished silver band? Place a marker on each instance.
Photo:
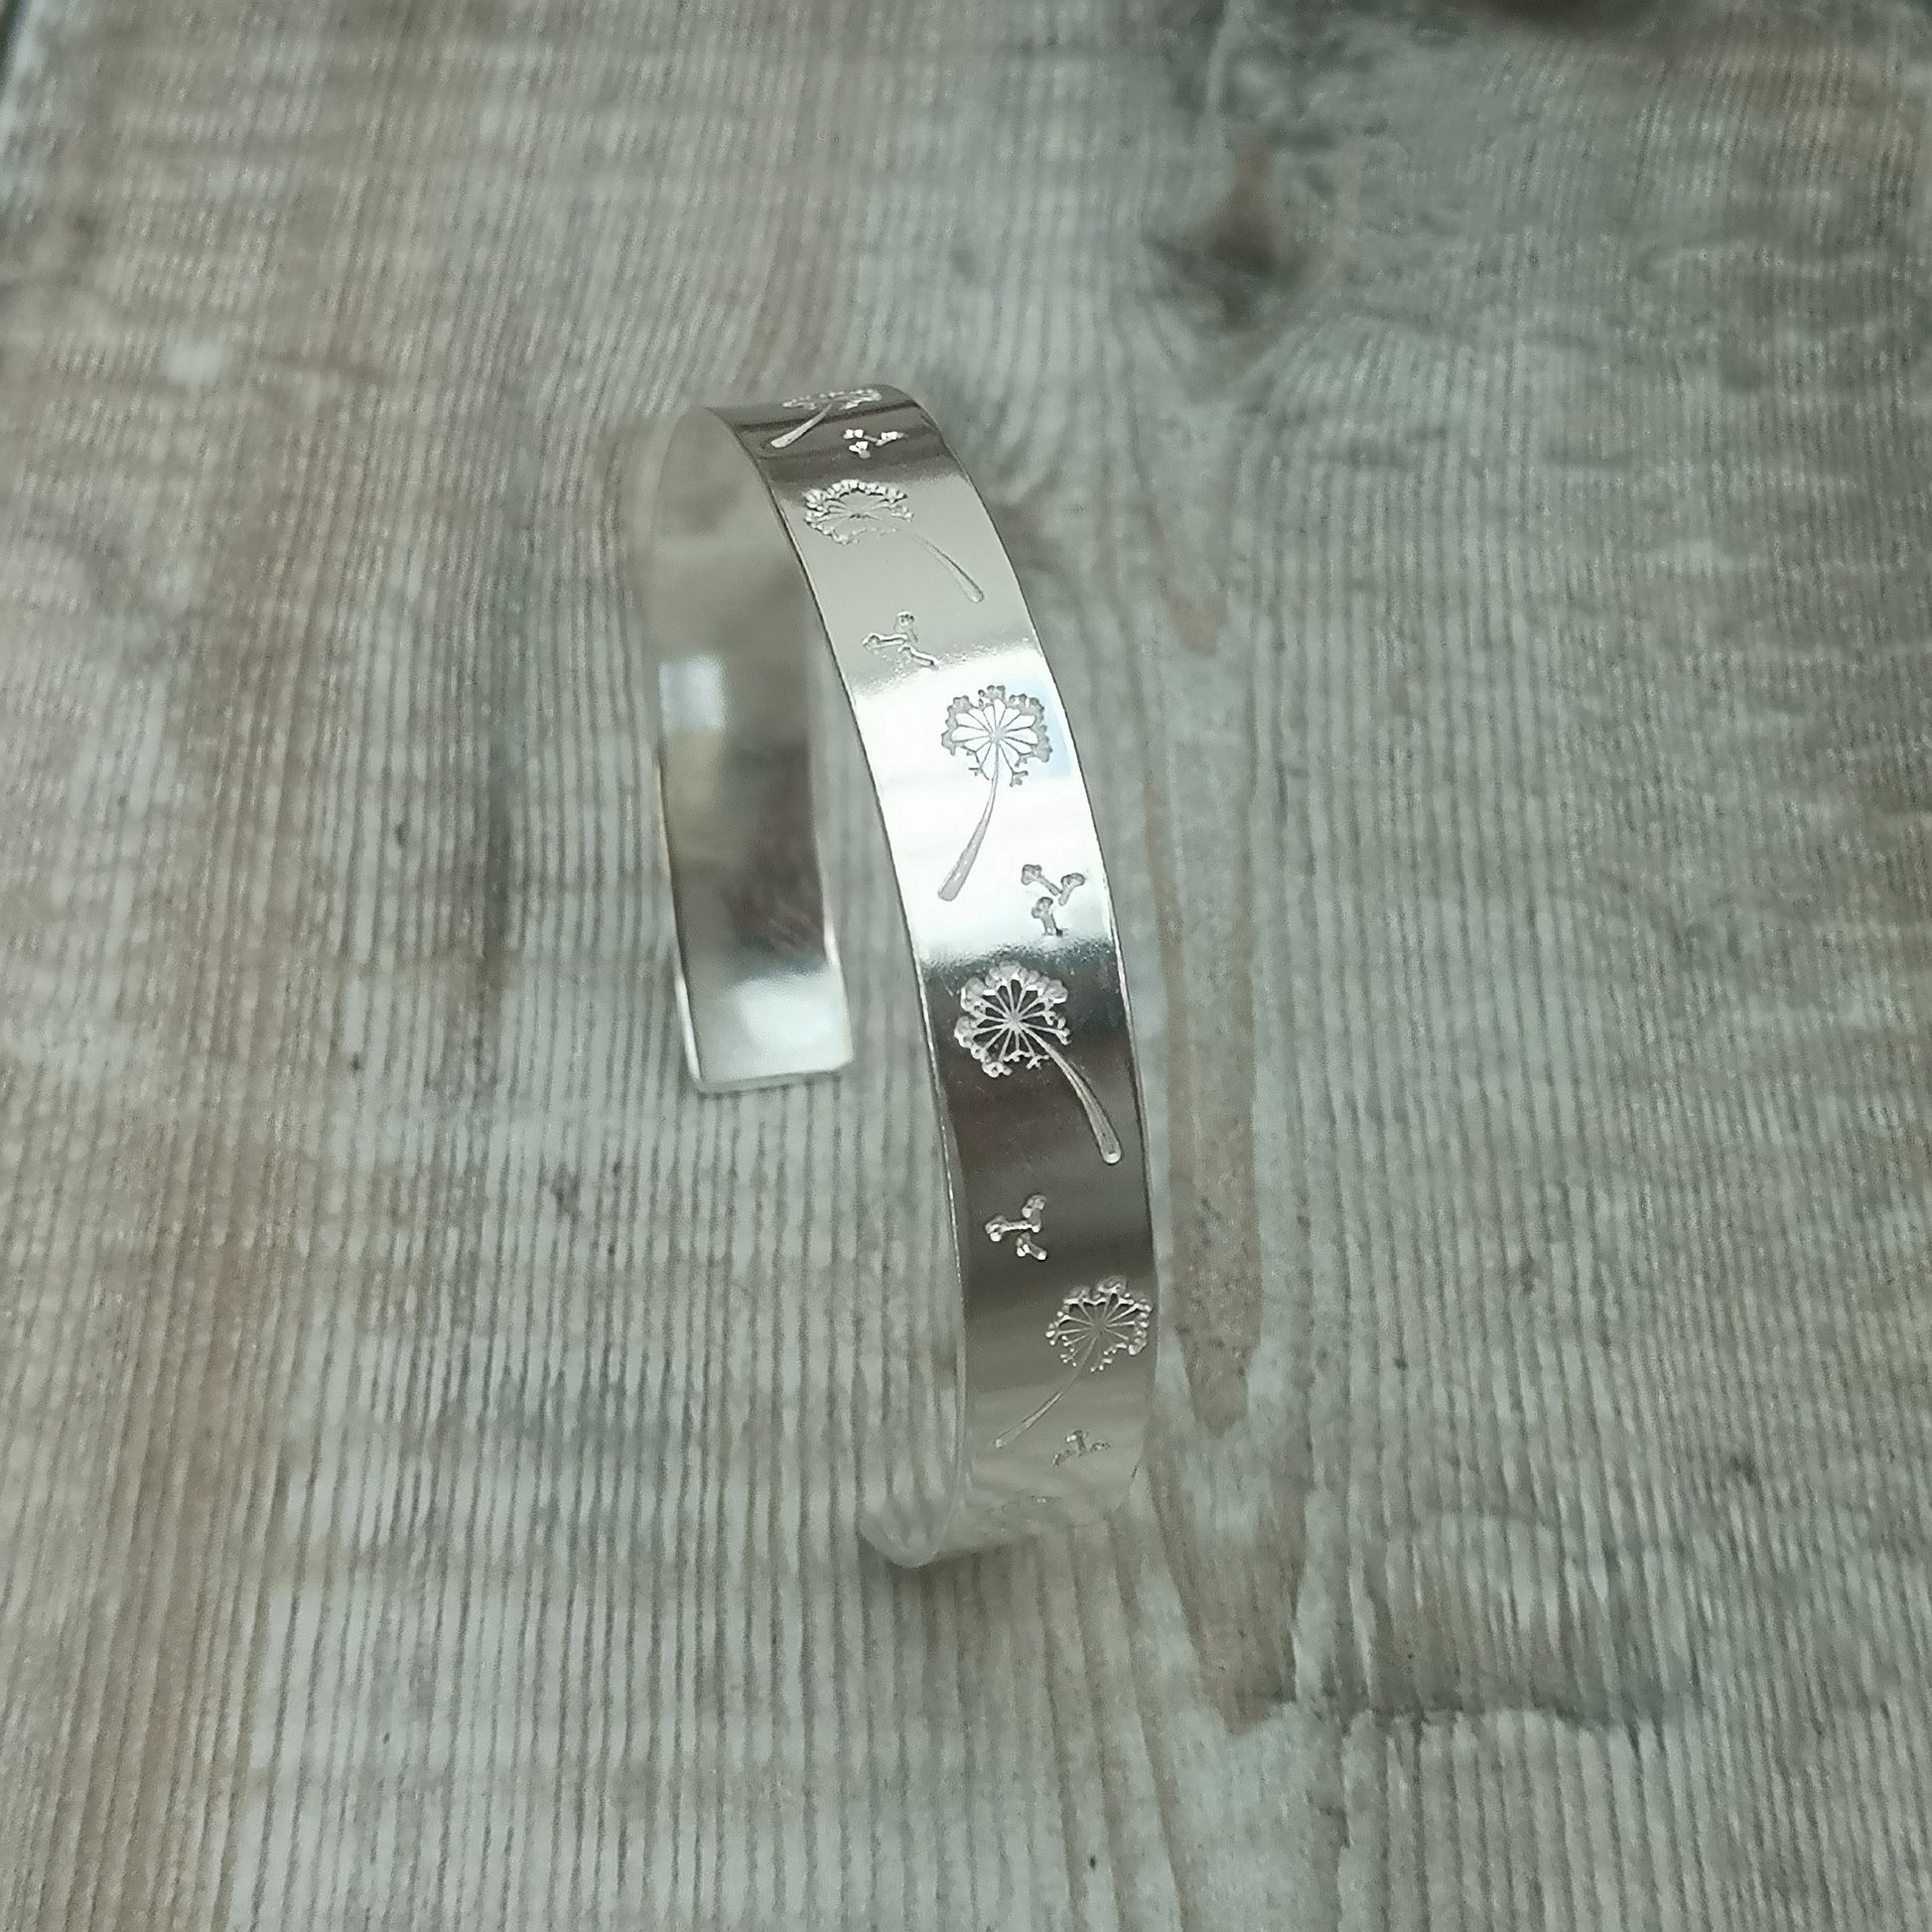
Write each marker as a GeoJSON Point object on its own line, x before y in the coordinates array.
{"type": "Point", "coordinates": [844, 517]}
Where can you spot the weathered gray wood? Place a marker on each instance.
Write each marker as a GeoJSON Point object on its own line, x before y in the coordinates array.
{"type": "Point", "coordinates": [1476, 483]}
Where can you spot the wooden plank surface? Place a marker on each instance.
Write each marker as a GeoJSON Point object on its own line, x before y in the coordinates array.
{"type": "Point", "coordinates": [1475, 475]}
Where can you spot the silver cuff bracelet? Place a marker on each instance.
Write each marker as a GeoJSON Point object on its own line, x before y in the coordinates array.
{"type": "Point", "coordinates": [844, 518]}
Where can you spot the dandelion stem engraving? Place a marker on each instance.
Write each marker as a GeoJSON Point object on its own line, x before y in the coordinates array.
{"type": "Point", "coordinates": [1025, 1226]}
{"type": "Point", "coordinates": [1093, 1327]}
{"type": "Point", "coordinates": [998, 732]}
{"type": "Point", "coordinates": [1055, 895]}
{"type": "Point", "coordinates": [1010, 1016]}
{"type": "Point", "coordinates": [900, 645]}
{"type": "Point", "coordinates": [857, 508]}
{"type": "Point", "coordinates": [834, 403]}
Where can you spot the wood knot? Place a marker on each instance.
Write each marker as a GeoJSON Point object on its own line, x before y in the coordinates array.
{"type": "Point", "coordinates": [1244, 259]}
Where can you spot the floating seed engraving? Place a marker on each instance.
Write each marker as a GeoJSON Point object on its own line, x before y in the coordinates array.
{"type": "Point", "coordinates": [1054, 898]}
{"type": "Point", "coordinates": [1026, 1227]}
{"type": "Point", "coordinates": [901, 647]}
{"type": "Point", "coordinates": [1079, 1443]}
{"type": "Point", "coordinates": [863, 441]}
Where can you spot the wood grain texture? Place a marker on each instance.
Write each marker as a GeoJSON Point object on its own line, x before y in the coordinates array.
{"type": "Point", "coordinates": [1475, 478]}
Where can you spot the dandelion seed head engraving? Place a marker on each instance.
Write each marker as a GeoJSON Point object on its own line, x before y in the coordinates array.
{"type": "Point", "coordinates": [835, 399]}
{"type": "Point", "coordinates": [1096, 1324]}
{"type": "Point", "coordinates": [1094, 1329]}
{"type": "Point", "coordinates": [1025, 1226]}
{"type": "Point", "coordinates": [858, 506]}
{"type": "Point", "coordinates": [999, 732]}
{"type": "Point", "coordinates": [1009, 1017]}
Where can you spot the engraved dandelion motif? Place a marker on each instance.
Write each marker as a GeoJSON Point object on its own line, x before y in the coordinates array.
{"type": "Point", "coordinates": [900, 645]}
{"type": "Point", "coordinates": [1010, 1016]}
{"type": "Point", "coordinates": [998, 732]}
{"type": "Point", "coordinates": [834, 402]}
{"type": "Point", "coordinates": [1094, 1326]}
{"type": "Point", "coordinates": [859, 508]}
{"type": "Point", "coordinates": [1023, 1226]}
